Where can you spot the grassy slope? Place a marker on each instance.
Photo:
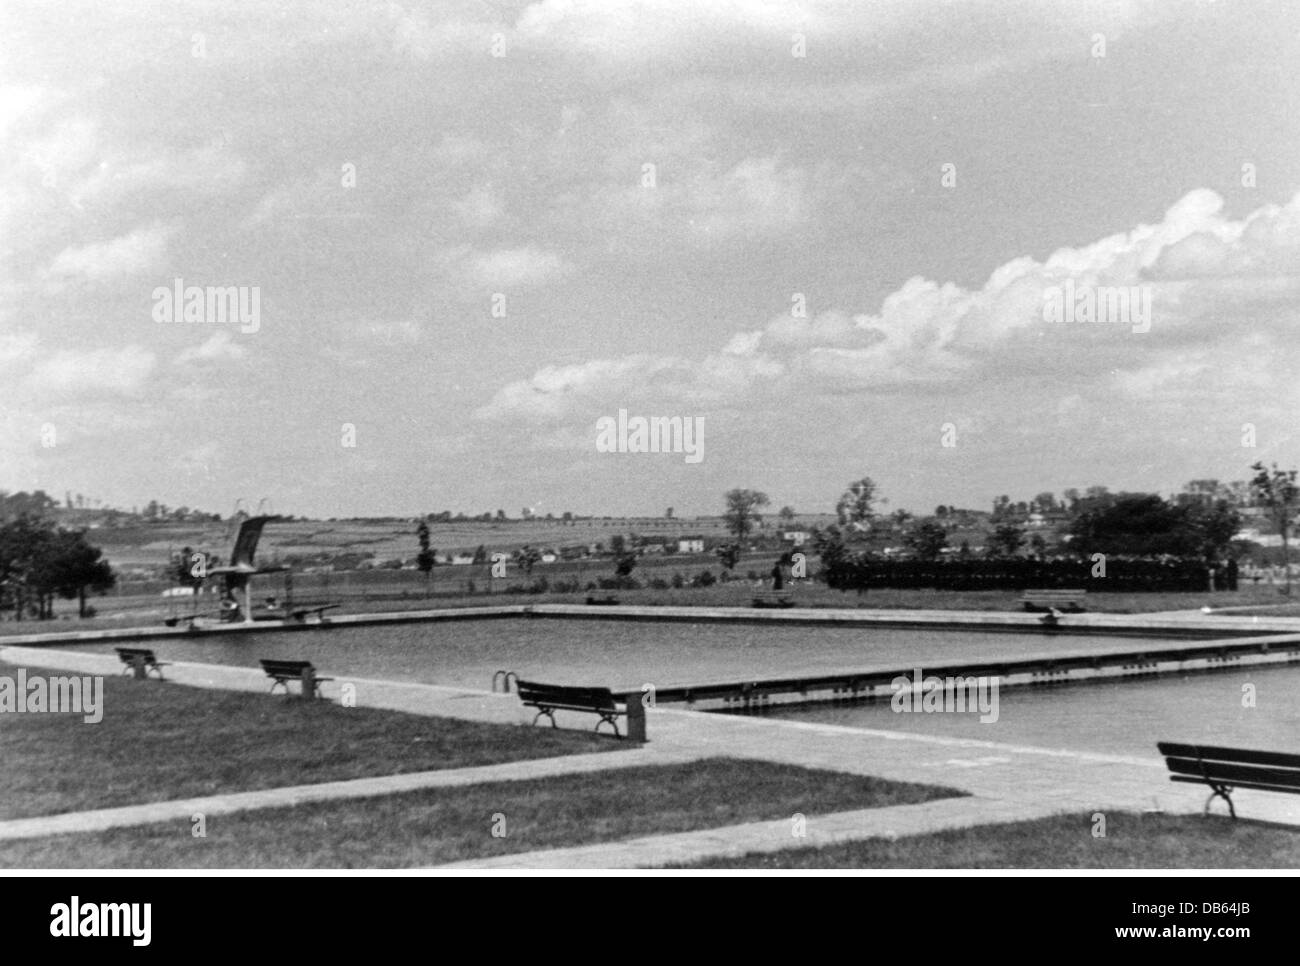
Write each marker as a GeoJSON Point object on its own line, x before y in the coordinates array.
{"type": "Point", "coordinates": [445, 825]}
{"type": "Point", "coordinates": [161, 741]}
{"type": "Point", "coordinates": [1132, 841]}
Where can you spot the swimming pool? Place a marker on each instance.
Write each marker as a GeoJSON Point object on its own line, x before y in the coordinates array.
{"type": "Point", "coordinates": [614, 653]}
{"type": "Point", "coordinates": [1114, 717]}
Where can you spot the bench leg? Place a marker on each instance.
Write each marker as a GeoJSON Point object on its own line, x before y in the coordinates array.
{"type": "Point", "coordinates": [279, 684]}
{"type": "Point", "coordinates": [1224, 792]}
{"type": "Point", "coordinates": [635, 718]}
{"type": "Point", "coordinates": [548, 714]}
{"type": "Point", "coordinates": [606, 719]}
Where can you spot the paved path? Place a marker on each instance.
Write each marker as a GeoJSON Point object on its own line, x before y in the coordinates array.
{"type": "Point", "coordinates": [652, 851]}
{"type": "Point", "coordinates": [1006, 781]}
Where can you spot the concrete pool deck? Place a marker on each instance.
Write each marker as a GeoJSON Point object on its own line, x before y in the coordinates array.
{"type": "Point", "coordinates": [1190, 622]}
{"type": "Point", "coordinates": [1006, 782]}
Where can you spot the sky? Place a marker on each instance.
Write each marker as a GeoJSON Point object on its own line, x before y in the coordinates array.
{"type": "Point", "coordinates": [825, 232]}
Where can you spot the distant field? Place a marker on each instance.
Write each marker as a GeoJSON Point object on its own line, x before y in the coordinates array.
{"type": "Point", "coordinates": [147, 546]}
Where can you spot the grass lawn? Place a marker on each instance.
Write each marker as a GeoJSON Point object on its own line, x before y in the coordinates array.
{"type": "Point", "coordinates": [434, 826]}
{"type": "Point", "coordinates": [159, 741]}
{"type": "Point", "coordinates": [1132, 841]}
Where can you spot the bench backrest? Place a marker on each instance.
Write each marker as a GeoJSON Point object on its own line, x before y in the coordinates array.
{"type": "Point", "coordinates": [560, 695]}
{"type": "Point", "coordinates": [128, 654]}
{"type": "Point", "coordinates": [272, 666]}
{"type": "Point", "coordinates": [1230, 765]}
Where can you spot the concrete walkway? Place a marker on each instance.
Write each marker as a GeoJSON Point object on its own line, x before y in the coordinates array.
{"type": "Point", "coordinates": [895, 821]}
{"type": "Point", "coordinates": [1007, 782]}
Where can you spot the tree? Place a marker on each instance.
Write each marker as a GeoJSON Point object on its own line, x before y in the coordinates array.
{"type": "Point", "coordinates": [1046, 502]}
{"type": "Point", "coordinates": [742, 514]}
{"type": "Point", "coordinates": [76, 567]}
{"type": "Point", "coordinates": [24, 544]}
{"type": "Point", "coordinates": [927, 540]}
{"type": "Point", "coordinates": [1006, 539]}
{"type": "Point", "coordinates": [1135, 524]}
{"type": "Point", "coordinates": [856, 504]}
{"type": "Point", "coordinates": [425, 558]}
{"type": "Point", "coordinates": [527, 557]}
{"type": "Point", "coordinates": [624, 561]}
{"type": "Point", "coordinates": [830, 546]}
{"type": "Point", "coordinates": [1217, 522]}
{"type": "Point", "coordinates": [37, 562]}
{"type": "Point", "coordinates": [481, 554]}
{"type": "Point", "coordinates": [729, 555]}
{"type": "Point", "coordinates": [786, 514]}
{"type": "Point", "coordinates": [1277, 490]}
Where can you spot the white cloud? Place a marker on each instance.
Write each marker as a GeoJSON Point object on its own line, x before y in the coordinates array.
{"type": "Point", "coordinates": [220, 347]}
{"type": "Point", "coordinates": [502, 268]}
{"type": "Point", "coordinates": [927, 334]}
{"type": "Point", "coordinates": [131, 254]}
{"type": "Point", "coordinates": [89, 371]}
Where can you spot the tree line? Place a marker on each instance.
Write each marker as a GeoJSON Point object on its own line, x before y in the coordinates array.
{"type": "Point", "coordinates": [39, 562]}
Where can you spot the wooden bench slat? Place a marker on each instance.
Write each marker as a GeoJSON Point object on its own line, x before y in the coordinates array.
{"type": "Point", "coordinates": [1233, 774]}
{"type": "Point", "coordinates": [1253, 786]}
{"type": "Point", "coordinates": [1244, 756]}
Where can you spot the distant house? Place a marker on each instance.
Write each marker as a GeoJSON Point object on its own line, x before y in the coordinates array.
{"type": "Point", "coordinates": [652, 548]}
{"type": "Point", "coordinates": [462, 559]}
{"type": "Point", "coordinates": [690, 545]}
{"type": "Point", "coordinates": [549, 557]}
{"type": "Point", "coordinates": [1255, 536]}
{"type": "Point", "coordinates": [797, 537]}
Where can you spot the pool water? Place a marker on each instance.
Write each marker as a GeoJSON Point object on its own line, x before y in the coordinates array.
{"type": "Point", "coordinates": [1111, 716]}
{"type": "Point", "coordinates": [1114, 716]}
{"type": "Point", "coordinates": [617, 654]}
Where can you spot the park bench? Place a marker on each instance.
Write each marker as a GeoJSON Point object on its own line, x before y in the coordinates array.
{"type": "Point", "coordinates": [140, 661]}
{"type": "Point", "coordinates": [282, 672]}
{"type": "Point", "coordinates": [607, 601]}
{"type": "Point", "coordinates": [773, 598]}
{"type": "Point", "coordinates": [300, 613]}
{"type": "Point", "coordinates": [549, 698]}
{"type": "Point", "coordinates": [1070, 601]}
{"type": "Point", "coordinates": [1225, 769]}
